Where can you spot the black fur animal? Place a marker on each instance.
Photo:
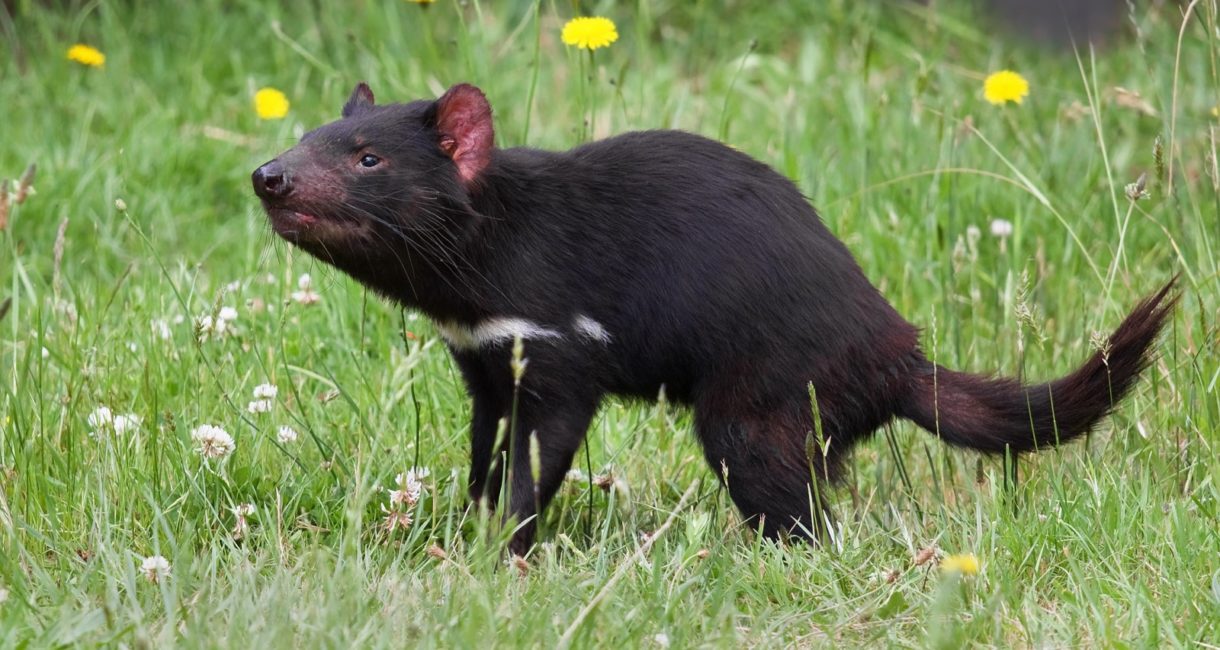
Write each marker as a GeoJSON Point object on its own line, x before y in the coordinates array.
{"type": "Point", "coordinates": [648, 260]}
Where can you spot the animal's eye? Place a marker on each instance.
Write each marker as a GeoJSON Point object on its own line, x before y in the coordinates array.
{"type": "Point", "coordinates": [369, 160]}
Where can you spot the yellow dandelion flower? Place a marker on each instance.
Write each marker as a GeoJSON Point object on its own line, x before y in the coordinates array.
{"type": "Point", "coordinates": [1005, 86]}
{"type": "Point", "coordinates": [270, 104]}
{"type": "Point", "coordinates": [965, 564]}
{"type": "Point", "coordinates": [589, 33]}
{"type": "Point", "coordinates": [85, 55]}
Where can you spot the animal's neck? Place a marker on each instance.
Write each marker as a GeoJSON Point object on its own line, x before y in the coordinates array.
{"type": "Point", "coordinates": [429, 270]}
{"type": "Point", "coordinates": [516, 184]}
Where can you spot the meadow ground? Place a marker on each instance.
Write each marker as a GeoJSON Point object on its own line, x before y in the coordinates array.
{"type": "Point", "coordinates": [143, 236]}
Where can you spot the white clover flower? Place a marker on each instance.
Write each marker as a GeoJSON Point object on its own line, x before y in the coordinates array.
{"type": "Point", "coordinates": [227, 314]}
{"type": "Point", "coordinates": [207, 327]}
{"type": "Point", "coordinates": [155, 568]}
{"type": "Point", "coordinates": [395, 520]}
{"type": "Point", "coordinates": [260, 406]}
{"type": "Point", "coordinates": [266, 391]}
{"type": "Point", "coordinates": [307, 297]}
{"type": "Point", "coordinates": [287, 435]}
{"type": "Point", "coordinates": [213, 441]}
{"type": "Point", "coordinates": [400, 498]}
{"type": "Point", "coordinates": [241, 527]}
{"type": "Point", "coordinates": [101, 417]}
{"type": "Point", "coordinates": [1001, 228]}
{"type": "Point", "coordinates": [410, 487]}
{"type": "Point", "coordinates": [127, 422]}
{"type": "Point", "coordinates": [305, 294]}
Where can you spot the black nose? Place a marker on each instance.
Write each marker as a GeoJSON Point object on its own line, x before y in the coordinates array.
{"type": "Point", "coordinates": [270, 181]}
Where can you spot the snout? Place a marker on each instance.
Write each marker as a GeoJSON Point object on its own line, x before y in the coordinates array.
{"type": "Point", "coordinates": [271, 181]}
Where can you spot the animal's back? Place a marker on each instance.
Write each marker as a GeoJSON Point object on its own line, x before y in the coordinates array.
{"type": "Point", "coordinates": [705, 261]}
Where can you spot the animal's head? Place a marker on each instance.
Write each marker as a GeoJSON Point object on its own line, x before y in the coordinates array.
{"type": "Point", "coordinates": [358, 188]}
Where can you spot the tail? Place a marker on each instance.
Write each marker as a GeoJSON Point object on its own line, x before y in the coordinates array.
{"type": "Point", "coordinates": [995, 414]}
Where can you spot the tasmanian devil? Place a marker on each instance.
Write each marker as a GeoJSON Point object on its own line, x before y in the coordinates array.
{"type": "Point", "coordinates": [648, 261]}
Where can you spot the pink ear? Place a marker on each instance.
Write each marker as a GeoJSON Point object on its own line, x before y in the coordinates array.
{"type": "Point", "coordinates": [463, 118]}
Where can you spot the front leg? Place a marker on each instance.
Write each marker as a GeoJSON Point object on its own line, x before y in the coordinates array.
{"type": "Point", "coordinates": [559, 424]}
{"type": "Point", "coordinates": [555, 402]}
{"type": "Point", "coordinates": [484, 483]}
{"type": "Point", "coordinates": [490, 401]}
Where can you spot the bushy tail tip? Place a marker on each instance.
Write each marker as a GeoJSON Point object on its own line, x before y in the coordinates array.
{"type": "Point", "coordinates": [998, 414]}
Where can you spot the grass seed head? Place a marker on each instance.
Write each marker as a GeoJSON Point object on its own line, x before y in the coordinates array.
{"type": "Point", "coordinates": [25, 186]}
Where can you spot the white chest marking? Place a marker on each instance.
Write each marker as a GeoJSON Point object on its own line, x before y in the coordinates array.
{"type": "Point", "coordinates": [589, 328]}
{"type": "Point", "coordinates": [502, 330]}
{"type": "Point", "coordinates": [493, 330]}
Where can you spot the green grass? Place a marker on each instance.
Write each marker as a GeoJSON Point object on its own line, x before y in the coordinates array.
{"type": "Point", "coordinates": [876, 112]}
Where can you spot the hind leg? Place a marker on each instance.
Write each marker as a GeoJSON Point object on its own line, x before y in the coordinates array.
{"type": "Point", "coordinates": [764, 461]}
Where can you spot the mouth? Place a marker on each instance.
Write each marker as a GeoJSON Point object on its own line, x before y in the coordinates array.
{"type": "Point", "coordinates": [299, 227]}
{"type": "Point", "coordinates": [290, 218]}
